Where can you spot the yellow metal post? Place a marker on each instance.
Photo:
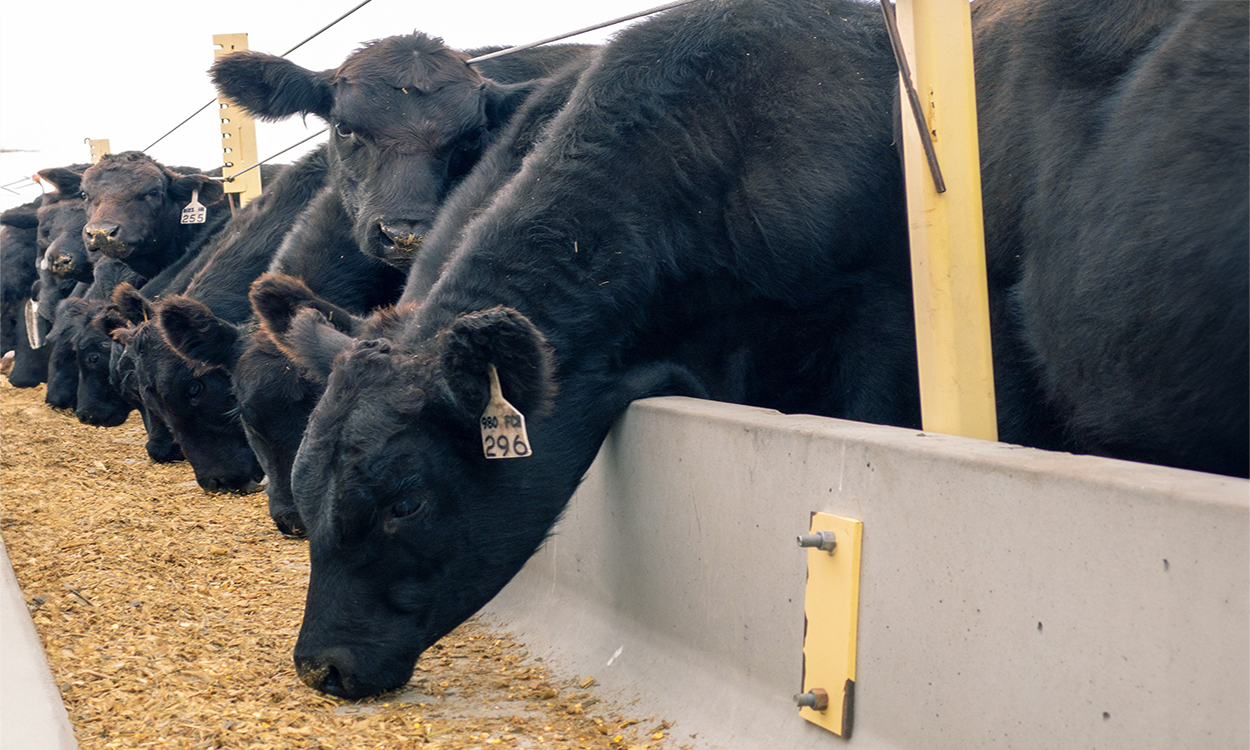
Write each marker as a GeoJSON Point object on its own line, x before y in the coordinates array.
{"type": "Point", "coordinates": [99, 149]}
{"type": "Point", "coordinates": [238, 132]}
{"type": "Point", "coordinates": [947, 236]}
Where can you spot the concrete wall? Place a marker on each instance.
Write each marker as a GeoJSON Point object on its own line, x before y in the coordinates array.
{"type": "Point", "coordinates": [1009, 597]}
{"type": "Point", "coordinates": [32, 715]}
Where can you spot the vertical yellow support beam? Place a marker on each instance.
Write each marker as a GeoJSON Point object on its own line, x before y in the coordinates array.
{"type": "Point", "coordinates": [238, 132]}
{"type": "Point", "coordinates": [947, 235]}
{"type": "Point", "coordinates": [99, 149]}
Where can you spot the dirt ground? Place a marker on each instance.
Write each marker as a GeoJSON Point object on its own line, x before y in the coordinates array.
{"type": "Point", "coordinates": [168, 616]}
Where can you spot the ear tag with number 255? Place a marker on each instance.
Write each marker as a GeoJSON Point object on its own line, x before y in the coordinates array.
{"type": "Point", "coordinates": [195, 212]}
{"type": "Point", "coordinates": [503, 427]}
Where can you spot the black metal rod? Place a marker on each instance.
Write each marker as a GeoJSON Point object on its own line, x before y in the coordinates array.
{"type": "Point", "coordinates": [917, 110]}
{"type": "Point", "coordinates": [273, 156]}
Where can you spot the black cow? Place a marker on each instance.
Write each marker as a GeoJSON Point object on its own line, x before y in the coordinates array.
{"type": "Point", "coordinates": [64, 271]}
{"type": "Point", "coordinates": [719, 159]}
{"type": "Point", "coordinates": [98, 400]}
{"type": "Point", "coordinates": [410, 119]}
{"type": "Point", "coordinates": [61, 217]}
{"type": "Point", "coordinates": [119, 321]}
{"type": "Point", "coordinates": [134, 207]}
{"type": "Point", "coordinates": [61, 221]}
{"type": "Point", "coordinates": [1114, 141]}
{"type": "Point", "coordinates": [18, 256]}
{"type": "Point", "coordinates": [195, 401]}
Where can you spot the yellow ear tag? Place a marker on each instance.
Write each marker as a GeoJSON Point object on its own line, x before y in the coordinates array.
{"type": "Point", "coordinates": [195, 212]}
{"type": "Point", "coordinates": [503, 427]}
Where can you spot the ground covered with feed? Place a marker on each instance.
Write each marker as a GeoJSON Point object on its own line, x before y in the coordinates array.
{"type": "Point", "coordinates": [168, 616]}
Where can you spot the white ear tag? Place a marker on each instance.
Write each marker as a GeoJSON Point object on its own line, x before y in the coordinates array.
{"type": "Point", "coordinates": [503, 427]}
{"type": "Point", "coordinates": [195, 212]}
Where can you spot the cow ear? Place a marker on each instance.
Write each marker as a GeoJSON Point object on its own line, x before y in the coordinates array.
{"type": "Point", "coordinates": [272, 88]}
{"type": "Point", "coordinates": [183, 186]}
{"type": "Point", "coordinates": [25, 216]}
{"type": "Point", "coordinates": [197, 335]}
{"type": "Point", "coordinates": [507, 339]}
{"type": "Point", "coordinates": [131, 305]}
{"type": "Point", "coordinates": [313, 343]}
{"type": "Point", "coordinates": [111, 323]}
{"type": "Point", "coordinates": [276, 298]}
{"type": "Point", "coordinates": [67, 181]}
{"type": "Point", "coordinates": [502, 99]}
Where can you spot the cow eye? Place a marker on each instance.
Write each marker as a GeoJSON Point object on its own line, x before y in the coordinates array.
{"type": "Point", "coordinates": [195, 389]}
{"type": "Point", "coordinates": [342, 131]}
{"type": "Point", "coordinates": [93, 358]}
{"type": "Point", "coordinates": [407, 507]}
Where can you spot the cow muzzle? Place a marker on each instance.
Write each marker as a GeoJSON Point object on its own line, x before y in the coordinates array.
{"type": "Point", "coordinates": [106, 238]}
{"type": "Point", "coordinates": [400, 240]}
{"type": "Point", "coordinates": [61, 264]}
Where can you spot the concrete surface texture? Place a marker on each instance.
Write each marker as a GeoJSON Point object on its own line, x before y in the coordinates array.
{"type": "Point", "coordinates": [32, 714]}
{"type": "Point", "coordinates": [1009, 597]}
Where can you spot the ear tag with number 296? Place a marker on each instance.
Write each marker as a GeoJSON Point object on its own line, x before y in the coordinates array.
{"type": "Point", "coordinates": [195, 212]}
{"type": "Point", "coordinates": [503, 427]}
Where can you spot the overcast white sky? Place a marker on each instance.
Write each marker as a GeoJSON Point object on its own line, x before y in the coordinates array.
{"type": "Point", "coordinates": [129, 71]}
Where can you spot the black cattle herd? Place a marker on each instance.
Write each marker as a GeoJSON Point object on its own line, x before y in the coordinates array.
{"type": "Point", "coordinates": [710, 205]}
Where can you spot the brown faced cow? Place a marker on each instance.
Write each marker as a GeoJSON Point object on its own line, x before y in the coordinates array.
{"type": "Point", "coordinates": [134, 205]}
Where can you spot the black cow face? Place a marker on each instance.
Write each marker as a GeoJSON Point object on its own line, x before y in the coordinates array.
{"type": "Point", "coordinates": [406, 518]}
{"type": "Point", "coordinates": [62, 216]}
{"type": "Point", "coordinates": [275, 402]}
{"type": "Point", "coordinates": [60, 239]}
{"type": "Point", "coordinates": [99, 401]}
{"type": "Point", "coordinates": [123, 377]}
{"type": "Point", "coordinates": [408, 117]}
{"type": "Point", "coordinates": [200, 410]}
{"type": "Point", "coordinates": [134, 208]}
{"type": "Point", "coordinates": [62, 392]}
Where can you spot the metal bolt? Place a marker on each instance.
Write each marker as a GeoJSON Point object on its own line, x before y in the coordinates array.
{"type": "Point", "coordinates": [823, 540]}
{"type": "Point", "coordinates": [816, 699]}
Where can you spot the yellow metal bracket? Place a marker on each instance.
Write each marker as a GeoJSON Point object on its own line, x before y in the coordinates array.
{"type": "Point", "coordinates": [238, 133]}
{"type": "Point", "coordinates": [99, 149]}
{"type": "Point", "coordinates": [832, 611]}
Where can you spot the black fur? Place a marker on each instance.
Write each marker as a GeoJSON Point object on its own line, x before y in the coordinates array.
{"type": "Point", "coordinates": [1114, 159]}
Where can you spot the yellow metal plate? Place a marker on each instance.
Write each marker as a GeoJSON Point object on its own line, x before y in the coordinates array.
{"type": "Point", "coordinates": [832, 611]}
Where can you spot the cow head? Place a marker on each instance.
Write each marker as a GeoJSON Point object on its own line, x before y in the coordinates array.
{"type": "Point", "coordinates": [18, 256]}
{"type": "Point", "coordinates": [198, 406]}
{"type": "Point", "coordinates": [409, 118]}
{"type": "Point", "coordinates": [275, 394]}
{"type": "Point", "coordinates": [134, 206]}
{"type": "Point", "coordinates": [411, 529]}
{"type": "Point", "coordinates": [60, 237]}
{"type": "Point", "coordinates": [119, 322]}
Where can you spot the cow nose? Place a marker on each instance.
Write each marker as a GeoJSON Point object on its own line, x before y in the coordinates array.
{"type": "Point", "coordinates": [405, 235]}
{"type": "Point", "coordinates": [326, 671]}
{"type": "Point", "coordinates": [97, 233]}
{"type": "Point", "coordinates": [60, 263]}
